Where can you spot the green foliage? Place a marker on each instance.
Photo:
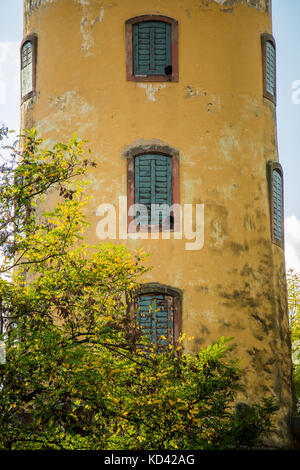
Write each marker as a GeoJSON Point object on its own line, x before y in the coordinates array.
{"type": "Point", "coordinates": [78, 373]}
{"type": "Point", "coordinates": [25, 177]}
{"type": "Point", "coordinates": [293, 281]}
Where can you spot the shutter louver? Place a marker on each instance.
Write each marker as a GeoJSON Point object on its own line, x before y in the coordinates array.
{"type": "Point", "coordinates": [151, 48]}
{"type": "Point", "coordinates": [270, 68]}
{"type": "Point", "coordinates": [277, 205]}
{"type": "Point", "coordinates": [153, 177]}
{"type": "Point", "coordinates": [155, 316]}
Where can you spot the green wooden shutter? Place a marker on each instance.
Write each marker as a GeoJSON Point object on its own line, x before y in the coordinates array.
{"type": "Point", "coordinates": [155, 316]}
{"type": "Point", "coordinates": [142, 184]}
{"type": "Point", "coordinates": [153, 184]}
{"type": "Point", "coordinates": [270, 68]}
{"type": "Point", "coordinates": [151, 48]}
{"type": "Point", "coordinates": [277, 205]}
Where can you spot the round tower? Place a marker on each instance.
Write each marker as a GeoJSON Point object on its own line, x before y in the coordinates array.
{"type": "Point", "coordinates": [178, 103]}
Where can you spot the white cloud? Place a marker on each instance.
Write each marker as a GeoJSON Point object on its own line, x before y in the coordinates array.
{"type": "Point", "coordinates": [292, 243]}
{"type": "Point", "coordinates": [9, 71]}
{"type": "Point", "coordinates": [9, 52]}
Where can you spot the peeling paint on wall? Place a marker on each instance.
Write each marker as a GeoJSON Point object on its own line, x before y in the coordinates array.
{"type": "Point", "coordinates": [77, 108]}
{"type": "Point", "coordinates": [250, 105]}
{"type": "Point", "coordinates": [86, 32]}
{"type": "Point", "coordinates": [192, 92]}
{"type": "Point", "coordinates": [151, 89]}
{"type": "Point", "coordinates": [213, 101]}
{"type": "Point", "coordinates": [30, 5]}
{"type": "Point", "coordinates": [226, 145]}
{"type": "Point", "coordinates": [214, 105]}
{"type": "Point", "coordinates": [101, 16]}
{"type": "Point", "coordinates": [87, 23]}
{"type": "Point", "coordinates": [259, 4]}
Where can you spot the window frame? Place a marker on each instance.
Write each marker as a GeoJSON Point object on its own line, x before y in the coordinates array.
{"type": "Point", "coordinates": [271, 166]}
{"type": "Point", "coordinates": [131, 182]}
{"type": "Point", "coordinates": [157, 288]}
{"type": "Point", "coordinates": [32, 38]}
{"type": "Point", "coordinates": [265, 37]}
{"type": "Point", "coordinates": [173, 77]}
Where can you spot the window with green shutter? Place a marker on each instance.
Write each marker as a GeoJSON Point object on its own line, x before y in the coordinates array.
{"type": "Point", "coordinates": [151, 43]}
{"type": "Point", "coordinates": [269, 67]}
{"type": "Point", "coordinates": [152, 48]}
{"type": "Point", "coordinates": [155, 317]}
{"type": "Point", "coordinates": [153, 189]}
{"type": "Point", "coordinates": [28, 66]}
{"type": "Point", "coordinates": [275, 180]}
{"type": "Point", "coordinates": [277, 205]}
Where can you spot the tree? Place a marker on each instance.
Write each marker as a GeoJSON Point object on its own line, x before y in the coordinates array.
{"type": "Point", "coordinates": [293, 282]}
{"type": "Point", "coordinates": [79, 373]}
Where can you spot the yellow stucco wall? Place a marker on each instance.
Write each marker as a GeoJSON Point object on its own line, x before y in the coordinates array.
{"type": "Point", "coordinates": [215, 116]}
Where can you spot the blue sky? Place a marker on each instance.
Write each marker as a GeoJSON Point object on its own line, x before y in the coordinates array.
{"type": "Point", "coordinates": [286, 30]}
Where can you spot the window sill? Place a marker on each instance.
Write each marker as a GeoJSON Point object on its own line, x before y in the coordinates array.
{"type": "Point", "coordinates": [152, 78]}
{"type": "Point", "coordinates": [277, 242]}
{"type": "Point", "coordinates": [27, 97]}
{"type": "Point", "coordinates": [270, 97]}
{"type": "Point", "coordinates": [153, 230]}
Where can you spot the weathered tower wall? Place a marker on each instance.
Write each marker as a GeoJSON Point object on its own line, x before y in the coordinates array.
{"type": "Point", "coordinates": [216, 123]}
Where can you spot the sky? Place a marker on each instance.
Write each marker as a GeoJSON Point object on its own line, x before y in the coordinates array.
{"type": "Point", "coordinates": [286, 30]}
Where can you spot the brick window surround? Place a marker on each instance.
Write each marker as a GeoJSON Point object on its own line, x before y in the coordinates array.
{"type": "Point", "coordinates": [167, 77]}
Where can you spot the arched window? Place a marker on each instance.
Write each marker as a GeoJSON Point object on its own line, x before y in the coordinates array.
{"type": "Point", "coordinates": [28, 66]}
{"type": "Point", "coordinates": [152, 50]}
{"type": "Point", "coordinates": [153, 190]}
{"type": "Point", "coordinates": [269, 67]}
{"type": "Point", "coordinates": [158, 313]}
{"type": "Point", "coordinates": [276, 202]}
